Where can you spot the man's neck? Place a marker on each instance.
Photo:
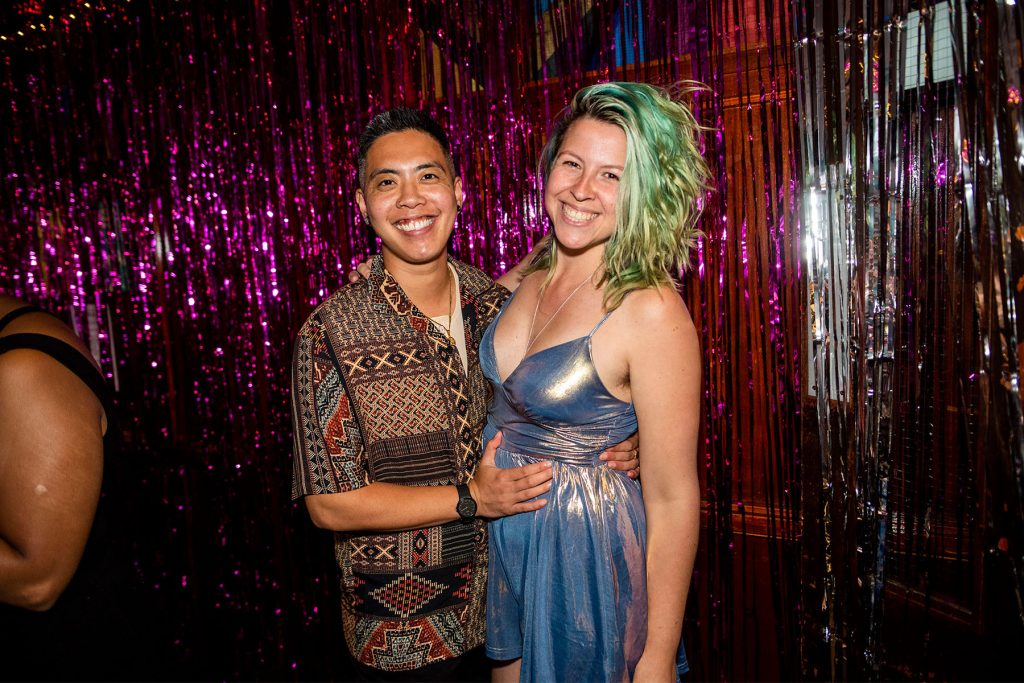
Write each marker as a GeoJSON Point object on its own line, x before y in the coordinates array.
{"type": "Point", "coordinates": [428, 285]}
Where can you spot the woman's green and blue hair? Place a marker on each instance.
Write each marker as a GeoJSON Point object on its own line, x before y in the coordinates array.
{"type": "Point", "coordinates": [659, 191]}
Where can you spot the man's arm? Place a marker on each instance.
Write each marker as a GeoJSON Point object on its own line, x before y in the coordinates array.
{"type": "Point", "coordinates": [389, 507]}
{"type": "Point", "coordinates": [330, 475]}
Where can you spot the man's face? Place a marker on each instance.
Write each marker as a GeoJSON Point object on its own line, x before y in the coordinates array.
{"type": "Point", "coordinates": [410, 198]}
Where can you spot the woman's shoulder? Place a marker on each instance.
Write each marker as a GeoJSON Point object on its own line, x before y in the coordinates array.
{"type": "Point", "coordinates": [654, 307]}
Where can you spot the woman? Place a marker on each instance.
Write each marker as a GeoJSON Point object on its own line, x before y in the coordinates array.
{"type": "Point", "coordinates": [596, 341]}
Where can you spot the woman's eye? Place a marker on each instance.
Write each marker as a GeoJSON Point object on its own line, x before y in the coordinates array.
{"type": "Point", "coordinates": [611, 176]}
{"type": "Point", "coordinates": [570, 163]}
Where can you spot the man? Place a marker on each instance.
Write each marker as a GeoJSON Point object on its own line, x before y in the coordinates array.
{"type": "Point", "coordinates": [388, 405]}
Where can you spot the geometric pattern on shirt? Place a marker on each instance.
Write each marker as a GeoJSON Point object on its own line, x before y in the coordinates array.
{"type": "Point", "coordinates": [403, 397]}
{"type": "Point", "coordinates": [403, 595]}
{"type": "Point", "coordinates": [463, 589]}
{"type": "Point", "coordinates": [407, 645]}
{"type": "Point", "coordinates": [339, 429]}
{"type": "Point", "coordinates": [407, 594]}
{"type": "Point", "coordinates": [400, 645]}
{"type": "Point", "coordinates": [395, 552]}
{"type": "Point", "coordinates": [324, 432]}
{"type": "Point", "coordinates": [378, 358]}
{"type": "Point", "coordinates": [453, 376]}
{"type": "Point", "coordinates": [447, 544]}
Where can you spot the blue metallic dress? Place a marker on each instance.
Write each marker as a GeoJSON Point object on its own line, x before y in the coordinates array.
{"type": "Point", "coordinates": [567, 584]}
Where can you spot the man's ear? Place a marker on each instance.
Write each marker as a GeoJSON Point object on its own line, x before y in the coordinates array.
{"type": "Point", "coordinates": [460, 198]}
{"type": "Point", "coordinates": [361, 203]}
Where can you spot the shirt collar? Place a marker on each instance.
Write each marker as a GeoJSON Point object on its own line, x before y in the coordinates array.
{"type": "Point", "coordinates": [386, 293]}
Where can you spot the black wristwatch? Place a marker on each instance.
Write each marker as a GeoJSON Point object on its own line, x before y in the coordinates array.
{"type": "Point", "coordinates": [466, 507]}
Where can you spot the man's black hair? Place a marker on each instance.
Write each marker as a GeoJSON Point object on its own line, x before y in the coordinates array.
{"type": "Point", "coordinates": [395, 121]}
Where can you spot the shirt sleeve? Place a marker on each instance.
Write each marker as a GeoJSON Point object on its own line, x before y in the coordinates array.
{"type": "Point", "coordinates": [491, 301]}
{"type": "Point", "coordinates": [328, 454]}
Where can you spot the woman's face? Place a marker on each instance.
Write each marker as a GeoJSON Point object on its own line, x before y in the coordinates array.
{"type": "Point", "coordinates": [583, 186]}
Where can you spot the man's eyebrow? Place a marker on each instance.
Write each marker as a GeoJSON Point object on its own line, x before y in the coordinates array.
{"type": "Point", "coordinates": [430, 164]}
{"type": "Point", "coordinates": [382, 171]}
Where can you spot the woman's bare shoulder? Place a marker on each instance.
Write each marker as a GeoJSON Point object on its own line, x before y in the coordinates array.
{"type": "Point", "coordinates": [655, 308]}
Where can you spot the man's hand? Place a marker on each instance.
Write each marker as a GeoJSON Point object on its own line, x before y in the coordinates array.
{"type": "Point", "coordinates": [362, 272]}
{"type": "Point", "coordinates": [625, 456]}
{"type": "Point", "coordinates": [501, 492]}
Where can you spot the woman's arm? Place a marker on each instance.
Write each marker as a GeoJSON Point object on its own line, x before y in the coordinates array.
{"type": "Point", "coordinates": [664, 376]}
{"type": "Point", "coordinates": [51, 466]}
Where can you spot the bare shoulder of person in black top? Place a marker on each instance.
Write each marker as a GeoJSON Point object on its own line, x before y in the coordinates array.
{"type": "Point", "coordinates": [51, 461]}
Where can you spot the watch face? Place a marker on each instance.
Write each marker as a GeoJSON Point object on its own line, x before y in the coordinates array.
{"type": "Point", "coordinates": [466, 507]}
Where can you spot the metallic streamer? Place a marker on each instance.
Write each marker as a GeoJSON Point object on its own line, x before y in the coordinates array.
{"type": "Point", "coordinates": [912, 332]}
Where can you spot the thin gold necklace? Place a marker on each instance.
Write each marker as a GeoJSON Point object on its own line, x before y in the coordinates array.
{"type": "Point", "coordinates": [451, 310]}
{"type": "Point", "coordinates": [531, 337]}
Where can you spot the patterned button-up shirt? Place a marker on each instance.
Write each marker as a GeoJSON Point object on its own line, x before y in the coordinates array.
{"type": "Point", "coordinates": [380, 394]}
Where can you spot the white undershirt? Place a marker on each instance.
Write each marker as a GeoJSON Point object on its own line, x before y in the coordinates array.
{"type": "Point", "coordinates": [456, 324]}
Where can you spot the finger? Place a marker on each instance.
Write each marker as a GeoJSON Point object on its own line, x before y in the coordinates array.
{"type": "Point", "coordinates": [490, 449]}
{"type": "Point", "coordinates": [535, 479]}
{"type": "Point", "coordinates": [530, 506]}
{"type": "Point", "coordinates": [634, 473]}
{"type": "Point", "coordinates": [612, 451]}
{"type": "Point", "coordinates": [534, 491]}
{"type": "Point", "coordinates": [524, 471]}
{"type": "Point", "coordinates": [622, 465]}
{"type": "Point", "coordinates": [629, 444]}
{"type": "Point", "coordinates": [353, 276]}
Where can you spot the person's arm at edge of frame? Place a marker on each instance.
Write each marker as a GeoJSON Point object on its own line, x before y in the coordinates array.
{"type": "Point", "coordinates": [50, 477]}
{"type": "Point", "coordinates": [381, 506]}
{"type": "Point", "coordinates": [665, 387]}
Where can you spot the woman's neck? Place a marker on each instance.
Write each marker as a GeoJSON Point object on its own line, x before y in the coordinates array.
{"type": "Point", "coordinates": [576, 266]}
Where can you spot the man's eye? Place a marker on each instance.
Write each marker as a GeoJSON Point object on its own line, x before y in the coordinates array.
{"type": "Point", "coordinates": [429, 176]}
{"type": "Point", "coordinates": [385, 182]}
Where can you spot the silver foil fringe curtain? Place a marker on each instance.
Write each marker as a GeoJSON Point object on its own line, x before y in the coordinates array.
{"type": "Point", "coordinates": [911, 148]}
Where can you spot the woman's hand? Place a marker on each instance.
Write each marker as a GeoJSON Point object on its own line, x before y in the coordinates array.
{"type": "Point", "coordinates": [625, 456]}
{"type": "Point", "coordinates": [655, 670]}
